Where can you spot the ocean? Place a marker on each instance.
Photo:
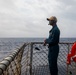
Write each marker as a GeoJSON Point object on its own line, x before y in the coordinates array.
{"type": "Point", "coordinates": [19, 40]}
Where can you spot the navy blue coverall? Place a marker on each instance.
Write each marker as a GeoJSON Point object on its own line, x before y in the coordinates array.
{"type": "Point", "coordinates": [53, 41]}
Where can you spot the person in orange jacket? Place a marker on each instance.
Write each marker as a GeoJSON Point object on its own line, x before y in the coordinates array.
{"type": "Point", "coordinates": [72, 54]}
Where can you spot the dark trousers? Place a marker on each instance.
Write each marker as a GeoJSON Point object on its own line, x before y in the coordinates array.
{"type": "Point", "coordinates": [52, 58]}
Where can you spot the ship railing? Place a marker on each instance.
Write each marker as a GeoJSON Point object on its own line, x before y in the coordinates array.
{"type": "Point", "coordinates": [32, 59]}
{"type": "Point", "coordinates": [11, 65]}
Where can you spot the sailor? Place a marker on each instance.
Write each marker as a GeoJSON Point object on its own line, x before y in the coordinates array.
{"type": "Point", "coordinates": [53, 40]}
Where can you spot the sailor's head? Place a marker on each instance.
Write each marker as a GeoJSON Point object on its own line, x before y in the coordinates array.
{"type": "Point", "coordinates": [52, 20]}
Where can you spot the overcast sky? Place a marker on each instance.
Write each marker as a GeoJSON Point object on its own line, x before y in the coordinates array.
{"type": "Point", "coordinates": [27, 18]}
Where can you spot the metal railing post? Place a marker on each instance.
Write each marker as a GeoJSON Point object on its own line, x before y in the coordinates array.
{"type": "Point", "coordinates": [68, 53]}
{"type": "Point", "coordinates": [31, 56]}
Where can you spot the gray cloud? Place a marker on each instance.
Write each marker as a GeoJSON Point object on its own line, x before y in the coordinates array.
{"type": "Point", "coordinates": [27, 18]}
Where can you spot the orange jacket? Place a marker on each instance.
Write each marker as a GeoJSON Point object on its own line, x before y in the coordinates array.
{"type": "Point", "coordinates": [72, 54]}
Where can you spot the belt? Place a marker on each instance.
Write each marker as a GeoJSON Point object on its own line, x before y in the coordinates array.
{"type": "Point", "coordinates": [50, 45]}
